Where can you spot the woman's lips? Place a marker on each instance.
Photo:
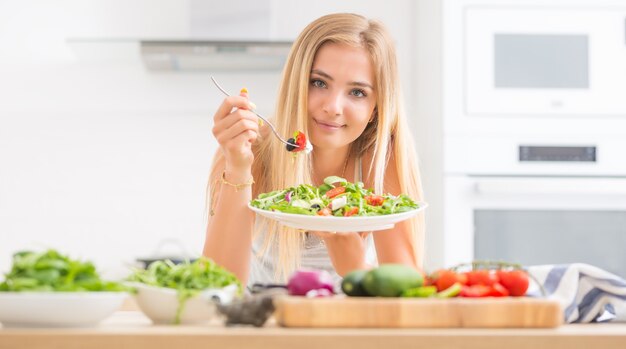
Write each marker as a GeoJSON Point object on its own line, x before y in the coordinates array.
{"type": "Point", "coordinates": [328, 126]}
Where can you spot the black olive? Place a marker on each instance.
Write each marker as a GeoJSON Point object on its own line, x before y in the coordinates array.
{"type": "Point", "coordinates": [315, 206]}
{"type": "Point", "coordinates": [292, 144]}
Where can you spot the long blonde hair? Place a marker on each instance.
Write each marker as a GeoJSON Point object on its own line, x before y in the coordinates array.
{"type": "Point", "coordinates": [387, 135]}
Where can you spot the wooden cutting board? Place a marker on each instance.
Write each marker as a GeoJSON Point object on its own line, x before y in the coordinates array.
{"type": "Point", "coordinates": [341, 311]}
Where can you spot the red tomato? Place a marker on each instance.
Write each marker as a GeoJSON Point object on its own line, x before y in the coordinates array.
{"type": "Point", "coordinates": [335, 191]}
{"type": "Point", "coordinates": [445, 278]}
{"type": "Point", "coordinates": [301, 141]}
{"type": "Point", "coordinates": [325, 212]}
{"type": "Point", "coordinates": [497, 290]}
{"type": "Point", "coordinates": [374, 200]}
{"type": "Point", "coordinates": [475, 291]}
{"type": "Point", "coordinates": [515, 281]}
{"type": "Point", "coordinates": [481, 277]}
{"type": "Point", "coordinates": [351, 211]}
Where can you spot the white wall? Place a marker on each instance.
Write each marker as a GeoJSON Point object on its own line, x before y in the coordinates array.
{"type": "Point", "coordinates": [426, 99]}
{"type": "Point", "coordinates": [103, 159]}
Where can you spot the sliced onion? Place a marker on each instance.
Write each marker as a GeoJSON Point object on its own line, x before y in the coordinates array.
{"type": "Point", "coordinates": [288, 196]}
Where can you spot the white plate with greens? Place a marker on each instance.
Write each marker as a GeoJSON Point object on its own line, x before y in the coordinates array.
{"type": "Point", "coordinates": [335, 206]}
{"type": "Point", "coordinates": [338, 224]}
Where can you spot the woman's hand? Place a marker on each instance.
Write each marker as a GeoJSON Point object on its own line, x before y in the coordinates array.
{"type": "Point", "coordinates": [346, 250]}
{"type": "Point", "coordinates": [235, 129]}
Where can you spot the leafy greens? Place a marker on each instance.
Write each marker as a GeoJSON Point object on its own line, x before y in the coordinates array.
{"type": "Point", "coordinates": [336, 197]}
{"type": "Point", "coordinates": [187, 278]}
{"type": "Point", "coordinates": [52, 271]}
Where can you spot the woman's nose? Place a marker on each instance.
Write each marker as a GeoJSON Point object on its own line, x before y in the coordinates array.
{"type": "Point", "coordinates": [334, 104]}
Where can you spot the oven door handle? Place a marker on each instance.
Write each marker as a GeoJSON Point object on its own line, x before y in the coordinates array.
{"type": "Point", "coordinates": [548, 186]}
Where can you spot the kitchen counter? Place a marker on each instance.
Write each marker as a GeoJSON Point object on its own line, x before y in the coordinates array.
{"type": "Point", "coordinates": [131, 329]}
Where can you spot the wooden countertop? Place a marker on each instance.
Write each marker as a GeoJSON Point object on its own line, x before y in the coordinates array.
{"type": "Point", "coordinates": [131, 329]}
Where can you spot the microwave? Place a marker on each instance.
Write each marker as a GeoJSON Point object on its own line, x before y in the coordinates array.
{"type": "Point", "coordinates": [544, 60]}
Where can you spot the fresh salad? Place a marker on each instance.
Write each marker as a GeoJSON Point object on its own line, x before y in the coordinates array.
{"type": "Point", "coordinates": [336, 197]}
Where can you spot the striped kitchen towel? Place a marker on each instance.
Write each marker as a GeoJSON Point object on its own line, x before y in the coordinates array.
{"type": "Point", "coordinates": [586, 293]}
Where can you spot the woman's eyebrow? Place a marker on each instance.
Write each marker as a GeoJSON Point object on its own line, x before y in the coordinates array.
{"type": "Point", "coordinates": [353, 83]}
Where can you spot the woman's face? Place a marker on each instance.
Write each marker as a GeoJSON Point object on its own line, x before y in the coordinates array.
{"type": "Point", "coordinates": [341, 95]}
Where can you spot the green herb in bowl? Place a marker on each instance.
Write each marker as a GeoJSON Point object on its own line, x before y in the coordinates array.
{"type": "Point", "coordinates": [186, 280]}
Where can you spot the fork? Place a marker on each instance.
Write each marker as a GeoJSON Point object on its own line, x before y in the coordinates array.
{"type": "Point", "coordinates": [257, 114]}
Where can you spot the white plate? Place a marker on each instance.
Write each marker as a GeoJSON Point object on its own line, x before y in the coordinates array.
{"type": "Point", "coordinates": [338, 224]}
{"type": "Point", "coordinates": [57, 309]}
{"type": "Point", "coordinates": [160, 303]}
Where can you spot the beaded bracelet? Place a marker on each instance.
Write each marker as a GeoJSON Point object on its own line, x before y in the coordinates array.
{"type": "Point", "coordinates": [236, 186]}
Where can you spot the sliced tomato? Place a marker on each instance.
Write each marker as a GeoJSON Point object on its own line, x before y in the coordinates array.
{"type": "Point", "coordinates": [497, 290]}
{"type": "Point", "coordinates": [351, 211]}
{"type": "Point", "coordinates": [374, 200]}
{"type": "Point", "coordinates": [335, 191]}
{"type": "Point", "coordinates": [481, 277]}
{"type": "Point", "coordinates": [475, 291]}
{"type": "Point", "coordinates": [325, 212]}
{"type": "Point", "coordinates": [515, 281]}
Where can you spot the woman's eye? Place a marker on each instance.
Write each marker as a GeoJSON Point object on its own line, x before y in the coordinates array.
{"type": "Point", "coordinates": [358, 93]}
{"type": "Point", "coordinates": [318, 83]}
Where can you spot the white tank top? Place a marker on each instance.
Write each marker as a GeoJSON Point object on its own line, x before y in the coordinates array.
{"type": "Point", "coordinates": [314, 255]}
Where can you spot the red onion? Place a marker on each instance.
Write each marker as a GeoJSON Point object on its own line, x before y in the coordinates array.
{"type": "Point", "coordinates": [305, 280]}
{"type": "Point", "coordinates": [322, 292]}
{"type": "Point", "coordinates": [288, 196]}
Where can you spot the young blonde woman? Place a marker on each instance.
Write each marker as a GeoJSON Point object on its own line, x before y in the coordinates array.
{"type": "Point", "coordinates": [340, 86]}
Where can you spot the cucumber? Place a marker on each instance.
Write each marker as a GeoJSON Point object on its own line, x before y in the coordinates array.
{"type": "Point", "coordinates": [391, 280]}
{"type": "Point", "coordinates": [352, 284]}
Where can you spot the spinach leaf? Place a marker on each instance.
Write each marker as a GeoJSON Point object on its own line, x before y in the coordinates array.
{"type": "Point", "coordinates": [53, 271]}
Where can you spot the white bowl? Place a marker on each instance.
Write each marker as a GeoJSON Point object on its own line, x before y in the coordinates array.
{"type": "Point", "coordinates": [160, 304]}
{"type": "Point", "coordinates": [57, 309]}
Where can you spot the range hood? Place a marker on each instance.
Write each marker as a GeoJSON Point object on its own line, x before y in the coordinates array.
{"type": "Point", "coordinates": [199, 55]}
{"type": "Point", "coordinates": [202, 35]}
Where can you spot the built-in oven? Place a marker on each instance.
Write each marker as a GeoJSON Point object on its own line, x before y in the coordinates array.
{"type": "Point", "coordinates": [534, 129]}
{"type": "Point", "coordinates": [537, 220]}
{"type": "Point", "coordinates": [536, 201]}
